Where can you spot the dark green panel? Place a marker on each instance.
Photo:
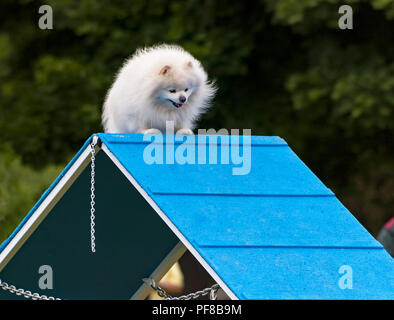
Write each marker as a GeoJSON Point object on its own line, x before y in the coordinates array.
{"type": "Point", "coordinates": [131, 240]}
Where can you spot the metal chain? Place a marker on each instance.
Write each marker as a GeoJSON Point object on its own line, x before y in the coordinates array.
{"type": "Point", "coordinates": [36, 296]}
{"type": "Point", "coordinates": [21, 292]}
{"type": "Point", "coordinates": [212, 291]}
{"type": "Point", "coordinates": [92, 195]}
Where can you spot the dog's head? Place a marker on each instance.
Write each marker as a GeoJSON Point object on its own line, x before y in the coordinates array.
{"type": "Point", "coordinates": [177, 85]}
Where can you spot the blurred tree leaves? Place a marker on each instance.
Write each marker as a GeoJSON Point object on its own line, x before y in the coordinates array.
{"type": "Point", "coordinates": [20, 187]}
{"type": "Point", "coordinates": [283, 67]}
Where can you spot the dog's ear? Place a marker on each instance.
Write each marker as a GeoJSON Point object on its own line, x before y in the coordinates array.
{"type": "Point", "coordinates": [164, 70]}
{"type": "Point", "coordinates": [189, 64]}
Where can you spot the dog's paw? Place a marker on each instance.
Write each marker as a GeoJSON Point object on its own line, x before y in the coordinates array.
{"type": "Point", "coordinates": [151, 131]}
{"type": "Point", "coordinates": [184, 131]}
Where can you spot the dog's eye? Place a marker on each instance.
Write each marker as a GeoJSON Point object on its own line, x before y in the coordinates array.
{"type": "Point", "coordinates": [186, 89]}
{"type": "Point", "coordinates": [172, 90]}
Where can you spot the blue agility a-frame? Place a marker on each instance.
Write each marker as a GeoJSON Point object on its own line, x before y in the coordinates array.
{"type": "Point", "coordinates": [274, 233]}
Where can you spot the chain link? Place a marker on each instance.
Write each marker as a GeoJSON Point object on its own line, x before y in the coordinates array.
{"type": "Point", "coordinates": [92, 194]}
{"type": "Point", "coordinates": [21, 292]}
{"type": "Point", "coordinates": [212, 291]}
{"type": "Point", "coordinates": [36, 296]}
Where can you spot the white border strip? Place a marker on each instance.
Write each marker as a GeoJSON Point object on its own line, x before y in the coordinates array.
{"type": "Point", "coordinates": [162, 215]}
{"type": "Point", "coordinates": [45, 207]}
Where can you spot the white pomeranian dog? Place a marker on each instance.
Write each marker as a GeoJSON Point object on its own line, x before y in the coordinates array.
{"type": "Point", "coordinates": [157, 84]}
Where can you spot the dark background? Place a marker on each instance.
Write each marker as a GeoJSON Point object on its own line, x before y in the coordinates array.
{"type": "Point", "coordinates": [283, 67]}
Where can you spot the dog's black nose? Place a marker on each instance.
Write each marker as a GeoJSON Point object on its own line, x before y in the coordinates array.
{"type": "Point", "coordinates": [182, 99]}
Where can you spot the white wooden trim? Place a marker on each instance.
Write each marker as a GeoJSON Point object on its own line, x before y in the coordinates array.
{"type": "Point", "coordinates": [60, 189]}
{"type": "Point", "coordinates": [174, 255]}
{"type": "Point", "coordinates": [162, 215]}
{"type": "Point", "coordinates": [45, 207]}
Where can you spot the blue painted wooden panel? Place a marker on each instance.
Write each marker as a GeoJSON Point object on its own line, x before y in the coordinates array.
{"type": "Point", "coordinates": [131, 138]}
{"type": "Point", "coordinates": [264, 221]}
{"type": "Point", "coordinates": [302, 273]}
{"type": "Point", "coordinates": [275, 170]}
{"type": "Point", "coordinates": [276, 233]}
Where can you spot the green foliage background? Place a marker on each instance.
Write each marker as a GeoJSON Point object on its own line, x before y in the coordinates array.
{"type": "Point", "coordinates": [283, 67]}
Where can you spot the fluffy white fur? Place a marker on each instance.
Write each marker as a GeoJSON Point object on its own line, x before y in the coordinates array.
{"type": "Point", "coordinates": [157, 84]}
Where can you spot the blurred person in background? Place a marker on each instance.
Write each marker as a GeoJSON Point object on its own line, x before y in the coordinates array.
{"type": "Point", "coordinates": [172, 283]}
{"type": "Point", "coordinates": [386, 236]}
